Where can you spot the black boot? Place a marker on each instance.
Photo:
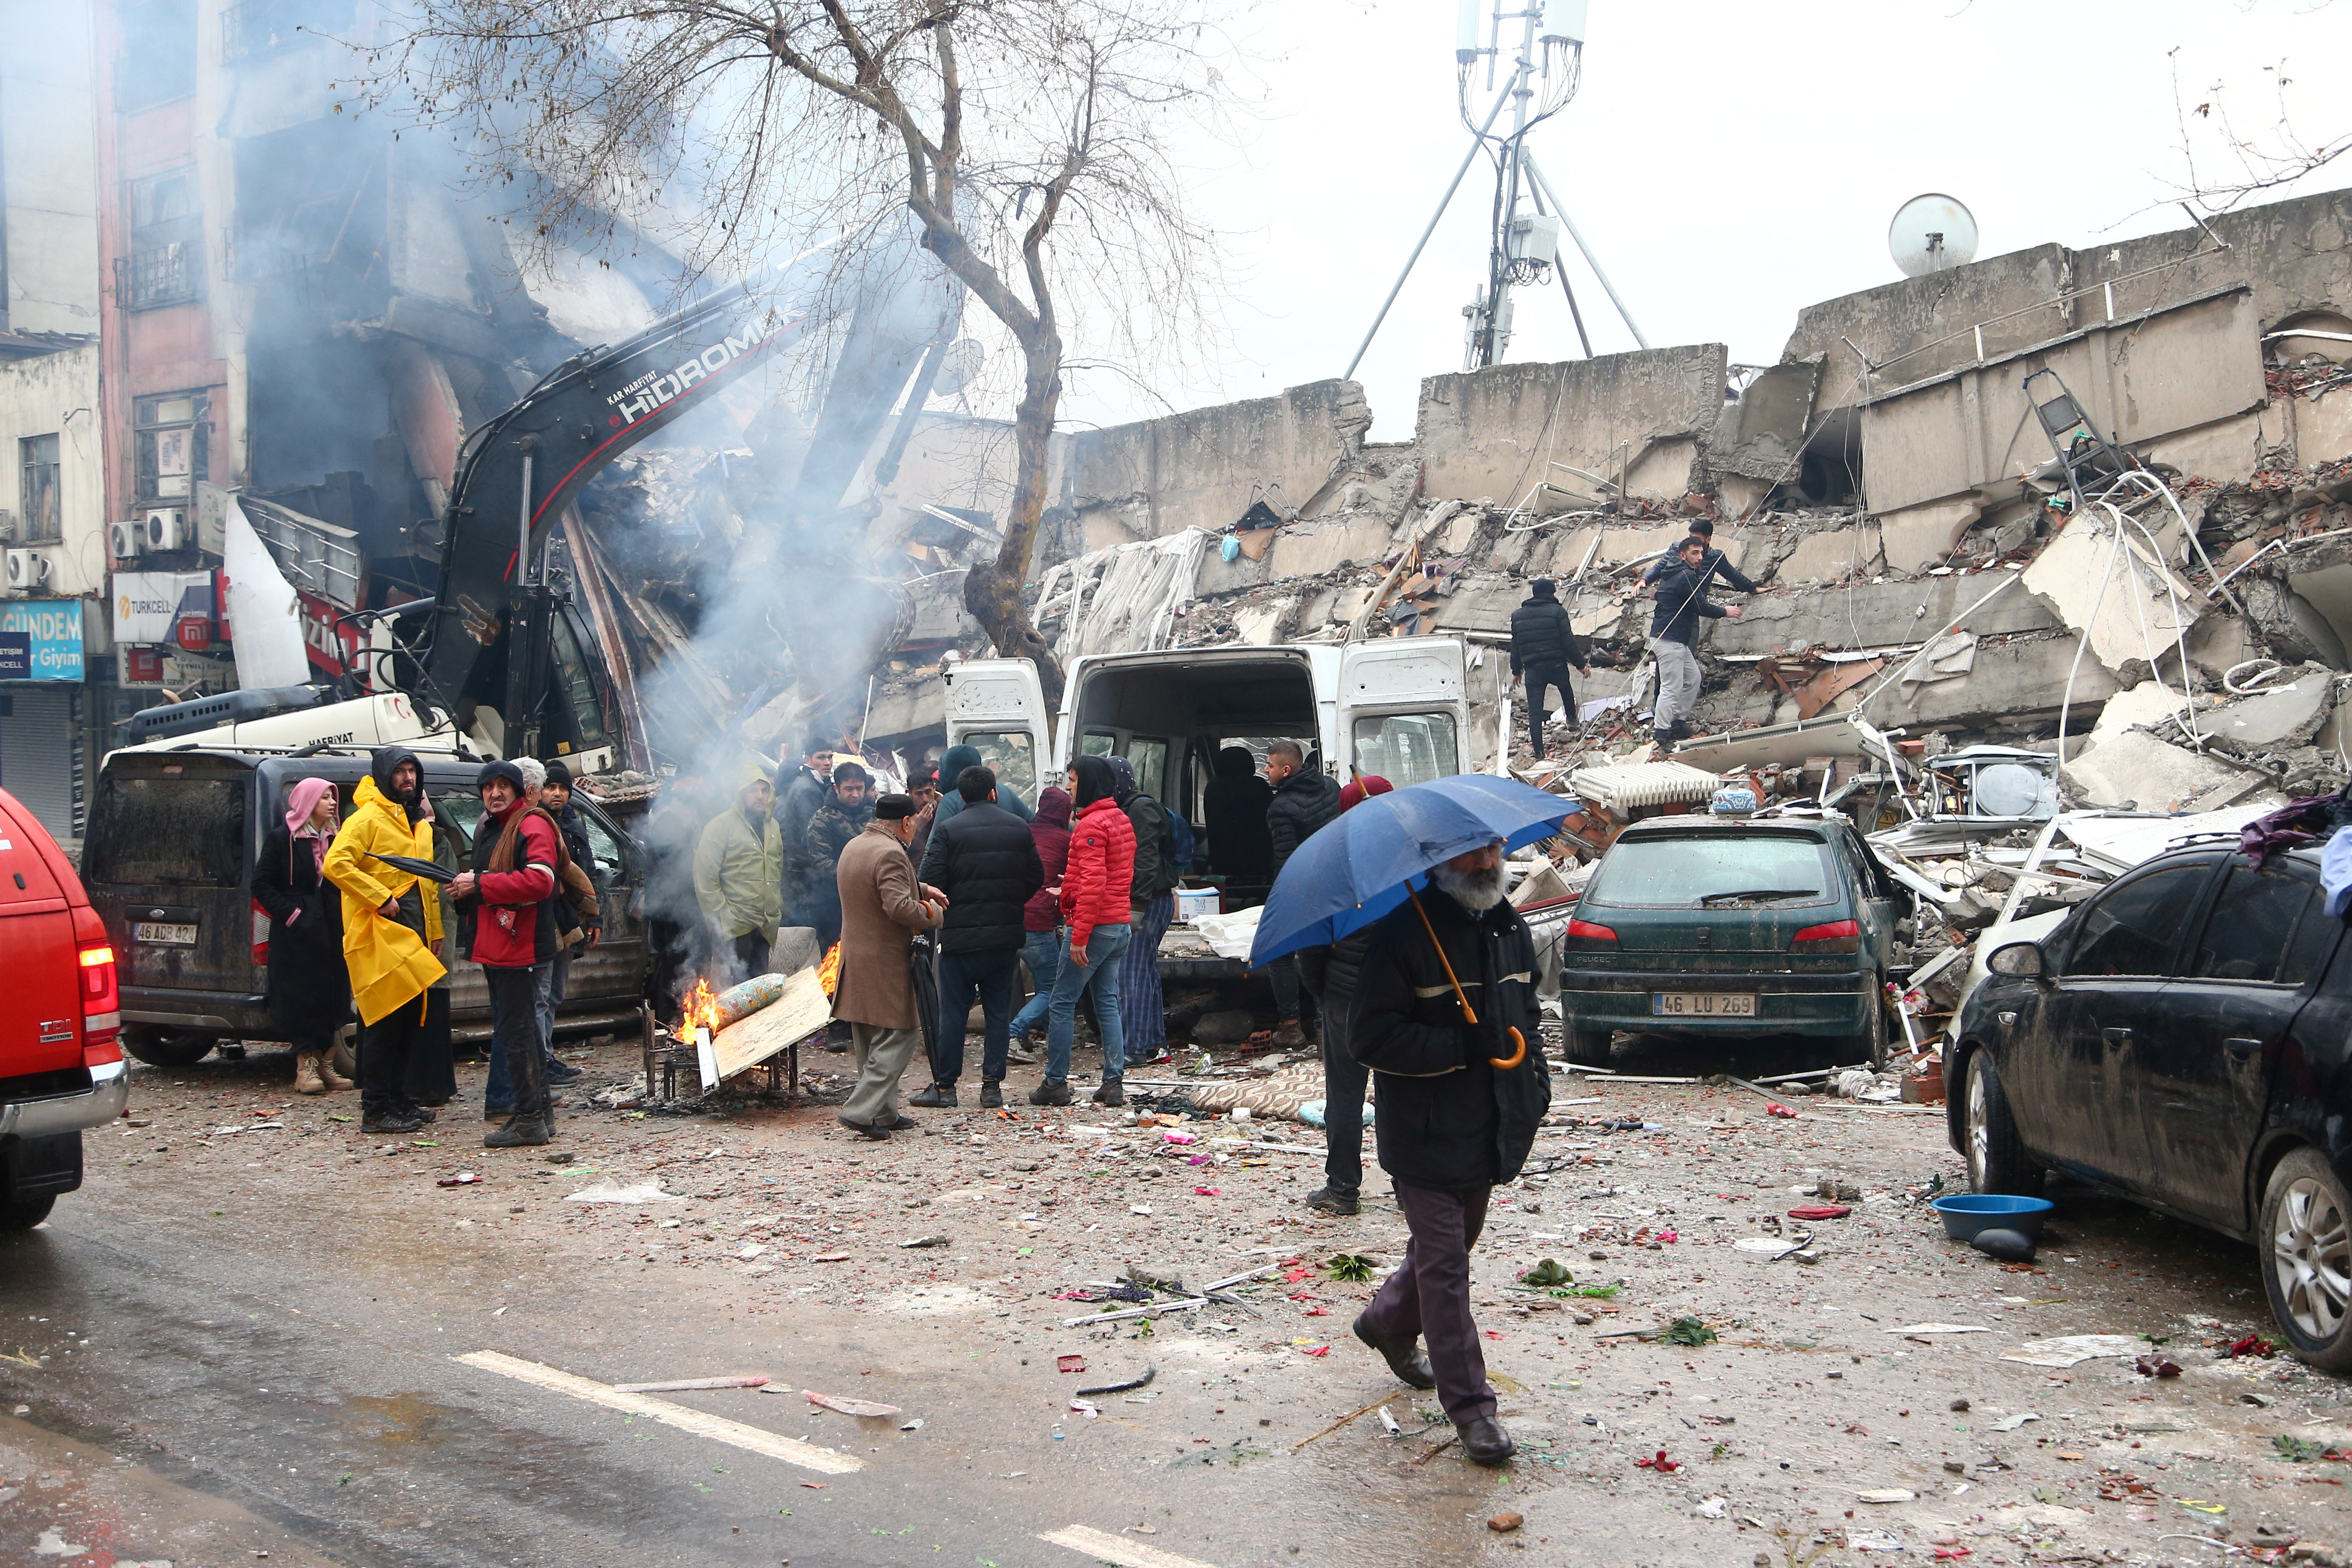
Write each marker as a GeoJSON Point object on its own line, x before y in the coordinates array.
{"type": "Point", "coordinates": [937, 1097]}
{"type": "Point", "coordinates": [1486, 1441]}
{"type": "Point", "coordinates": [1053, 1092]}
{"type": "Point", "coordinates": [522, 1131]}
{"type": "Point", "coordinates": [1405, 1360]}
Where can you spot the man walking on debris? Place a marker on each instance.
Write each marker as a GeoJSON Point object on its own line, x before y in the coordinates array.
{"type": "Point", "coordinates": [1543, 644]}
{"type": "Point", "coordinates": [1682, 604]}
{"type": "Point", "coordinates": [881, 911]}
{"type": "Point", "coordinates": [799, 795]}
{"type": "Point", "coordinates": [1304, 800]}
{"type": "Point", "coordinates": [509, 899]}
{"type": "Point", "coordinates": [1717, 563]}
{"type": "Point", "coordinates": [1332, 974]}
{"type": "Point", "coordinates": [1452, 1123]}
{"type": "Point", "coordinates": [738, 880]}
{"type": "Point", "coordinates": [391, 932]}
{"type": "Point", "coordinates": [1151, 906]}
{"type": "Point", "coordinates": [1094, 886]}
{"type": "Point", "coordinates": [984, 860]}
{"type": "Point", "coordinates": [842, 818]}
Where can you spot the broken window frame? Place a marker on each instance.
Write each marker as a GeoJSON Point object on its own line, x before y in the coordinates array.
{"type": "Point", "coordinates": [39, 491]}
{"type": "Point", "coordinates": [164, 263]}
{"type": "Point", "coordinates": [151, 436]}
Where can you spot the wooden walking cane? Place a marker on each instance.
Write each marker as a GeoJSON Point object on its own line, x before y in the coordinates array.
{"type": "Point", "coordinates": [1503, 1064]}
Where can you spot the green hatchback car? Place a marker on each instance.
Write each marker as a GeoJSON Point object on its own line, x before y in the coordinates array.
{"type": "Point", "coordinates": [1732, 928]}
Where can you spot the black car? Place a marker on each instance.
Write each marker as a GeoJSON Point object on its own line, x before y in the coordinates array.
{"type": "Point", "coordinates": [2181, 1039]}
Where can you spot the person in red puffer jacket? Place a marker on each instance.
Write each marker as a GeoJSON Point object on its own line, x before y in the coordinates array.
{"type": "Point", "coordinates": [1096, 885]}
{"type": "Point", "coordinates": [507, 902]}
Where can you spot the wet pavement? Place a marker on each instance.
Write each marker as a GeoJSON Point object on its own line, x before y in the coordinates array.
{"type": "Point", "coordinates": [232, 1343]}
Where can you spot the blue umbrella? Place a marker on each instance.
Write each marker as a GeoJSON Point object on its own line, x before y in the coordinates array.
{"type": "Point", "coordinates": [1362, 863]}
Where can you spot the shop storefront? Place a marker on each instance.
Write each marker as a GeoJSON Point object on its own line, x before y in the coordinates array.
{"type": "Point", "coordinates": [44, 716]}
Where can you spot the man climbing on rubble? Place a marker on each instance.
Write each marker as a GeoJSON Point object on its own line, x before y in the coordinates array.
{"type": "Point", "coordinates": [881, 908]}
{"type": "Point", "coordinates": [1454, 1122]}
{"type": "Point", "coordinates": [1717, 563]}
{"type": "Point", "coordinates": [842, 818]}
{"type": "Point", "coordinates": [1304, 799]}
{"type": "Point", "coordinates": [985, 860]}
{"type": "Point", "coordinates": [1543, 644]}
{"type": "Point", "coordinates": [1682, 604]}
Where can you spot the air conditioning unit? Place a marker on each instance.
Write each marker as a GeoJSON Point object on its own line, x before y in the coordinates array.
{"type": "Point", "coordinates": [28, 571]}
{"type": "Point", "coordinates": [126, 540]}
{"type": "Point", "coordinates": [167, 529]}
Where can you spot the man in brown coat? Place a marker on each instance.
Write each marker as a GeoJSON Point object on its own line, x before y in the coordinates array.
{"type": "Point", "coordinates": [882, 907]}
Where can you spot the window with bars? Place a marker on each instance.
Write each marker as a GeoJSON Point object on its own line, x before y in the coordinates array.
{"type": "Point", "coordinates": [165, 263]}
{"type": "Point", "coordinates": [44, 508]}
{"type": "Point", "coordinates": [173, 436]}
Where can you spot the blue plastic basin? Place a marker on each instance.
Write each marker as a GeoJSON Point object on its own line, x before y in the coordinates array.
{"type": "Point", "coordinates": [1964, 1214]}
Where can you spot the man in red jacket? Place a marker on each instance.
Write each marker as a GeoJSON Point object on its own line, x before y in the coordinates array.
{"type": "Point", "coordinates": [1094, 888]}
{"type": "Point", "coordinates": [507, 901]}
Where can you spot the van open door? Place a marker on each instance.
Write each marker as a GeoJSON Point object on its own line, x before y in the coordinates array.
{"type": "Point", "coordinates": [999, 706]}
{"type": "Point", "coordinates": [1403, 711]}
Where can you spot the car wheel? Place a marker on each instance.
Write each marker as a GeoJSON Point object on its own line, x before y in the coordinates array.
{"type": "Point", "coordinates": [1589, 1047]}
{"type": "Point", "coordinates": [344, 1060]}
{"type": "Point", "coordinates": [1870, 1046]}
{"type": "Point", "coordinates": [2306, 1242]}
{"type": "Point", "coordinates": [167, 1048]}
{"type": "Point", "coordinates": [1997, 1158]}
{"type": "Point", "coordinates": [24, 1214]}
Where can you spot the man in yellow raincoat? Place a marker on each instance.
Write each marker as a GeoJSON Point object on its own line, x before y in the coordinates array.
{"type": "Point", "coordinates": [739, 879]}
{"type": "Point", "coordinates": [392, 932]}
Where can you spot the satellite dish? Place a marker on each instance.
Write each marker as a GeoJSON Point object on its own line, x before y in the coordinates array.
{"type": "Point", "coordinates": [1931, 234]}
{"type": "Point", "coordinates": [957, 366]}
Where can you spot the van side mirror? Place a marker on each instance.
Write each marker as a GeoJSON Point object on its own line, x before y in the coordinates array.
{"type": "Point", "coordinates": [2019, 960]}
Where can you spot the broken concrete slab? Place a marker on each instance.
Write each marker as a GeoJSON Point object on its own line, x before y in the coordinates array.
{"type": "Point", "coordinates": [1311, 550]}
{"type": "Point", "coordinates": [1917, 537]}
{"type": "Point", "coordinates": [1831, 555]}
{"type": "Point", "coordinates": [2135, 608]}
{"type": "Point", "coordinates": [1491, 432]}
{"type": "Point", "coordinates": [2277, 717]}
{"type": "Point", "coordinates": [2154, 775]}
{"type": "Point", "coordinates": [2145, 704]}
{"type": "Point", "coordinates": [1875, 615]}
{"type": "Point", "coordinates": [1262, 625]}
{"type": "Point", "coordinates": [2009, 683]}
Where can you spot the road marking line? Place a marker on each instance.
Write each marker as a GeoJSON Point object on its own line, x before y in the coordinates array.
{"type": "Point", "coordinates": [1119, 1549]}
{"type": "Point", "coordinates": [791, 1450]}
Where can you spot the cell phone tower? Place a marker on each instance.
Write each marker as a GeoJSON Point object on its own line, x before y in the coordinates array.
{"type": "Point", "coordinates": [1533, 76]}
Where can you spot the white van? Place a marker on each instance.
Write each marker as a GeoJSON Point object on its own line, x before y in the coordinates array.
{"type": "Point", "coordinates": [1395, 707]}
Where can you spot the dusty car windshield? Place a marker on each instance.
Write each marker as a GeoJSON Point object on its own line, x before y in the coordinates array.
{"type": "Point", "coordinates": [1685, 871]}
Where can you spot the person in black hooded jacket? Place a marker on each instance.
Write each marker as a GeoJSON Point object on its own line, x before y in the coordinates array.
{"type": "Point", "coordinates": [1331, 975]}
{"type": "Point", "coordinates": [985, 860]}
{"type": "Point", "coordinates": [1304, 799]}
{"type": "Point", "coordinates": [1453, 1123]}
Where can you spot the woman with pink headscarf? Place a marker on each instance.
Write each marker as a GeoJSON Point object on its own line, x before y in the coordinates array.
{"type": "Point", "coordinates": [310, 988]}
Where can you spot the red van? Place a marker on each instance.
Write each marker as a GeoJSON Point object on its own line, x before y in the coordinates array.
{"type": "Point", "coordinates": [61, 1065]}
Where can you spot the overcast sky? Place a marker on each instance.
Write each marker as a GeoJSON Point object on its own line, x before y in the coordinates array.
{"type": "Point", "coordinates": [1729, 162]}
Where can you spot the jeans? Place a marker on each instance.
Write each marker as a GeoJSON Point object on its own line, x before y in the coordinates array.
{"type": "Point", "coordinates": [1043, 954]}
{"type": "Point", "coordinates": [1100, 971]}
{"type": "Point", "coordinates": [497, 1090]}
{"type": "Point", "coordinates": [961, 975]}
{"type": "Point", "coordinates": [1143, 1015]}
{"type": "Point", "coordinates": [882, 1056]}
{"type": "Point", "coordinates": [514, 1033]}
{"type": "Point", "coordinates": [1429, 1295]}
{"type": "Point", "coordinates": [1551, 677]}
{"type": "Point", "coordinates": [554, 978]}
{"type": "Point", "coordinates": [1678, 681]}
{"type": "Point", "coordinates": [1293, 1003]}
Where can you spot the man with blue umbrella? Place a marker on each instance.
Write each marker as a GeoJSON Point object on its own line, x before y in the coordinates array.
{"type": "Point", "coordinates": [1445, 1018]}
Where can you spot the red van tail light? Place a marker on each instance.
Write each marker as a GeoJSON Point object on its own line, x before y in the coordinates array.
{"type": "Point", "coordinates": [1837, 936]}
{"type": "Point", "coordinates": [260, 934]}
{"type": "Point", "coordinates": [101, 1006]}
{"type": "Point", "coordinates": [1583, 936]}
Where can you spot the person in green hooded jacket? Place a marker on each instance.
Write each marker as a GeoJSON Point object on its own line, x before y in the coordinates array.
{"type": "Point", "coordinates": [738, 876]}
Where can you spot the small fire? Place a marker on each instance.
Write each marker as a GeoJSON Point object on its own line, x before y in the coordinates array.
{"type": "Point", "coordinates": [699, 1009]}
{"type": "Point", "coordinates": [828, 973]}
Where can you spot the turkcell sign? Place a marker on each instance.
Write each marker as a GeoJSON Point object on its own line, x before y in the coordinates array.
{"type": "Point", "coordinates": [656, 388]}
{"type": "Point", "coordinates": [50, 634]}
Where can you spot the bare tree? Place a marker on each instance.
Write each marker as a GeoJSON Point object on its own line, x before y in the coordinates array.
{"type": "Point", "coordinates": [2237, 167]}
{"type": "Point", "coordinates": [1028, 138]}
